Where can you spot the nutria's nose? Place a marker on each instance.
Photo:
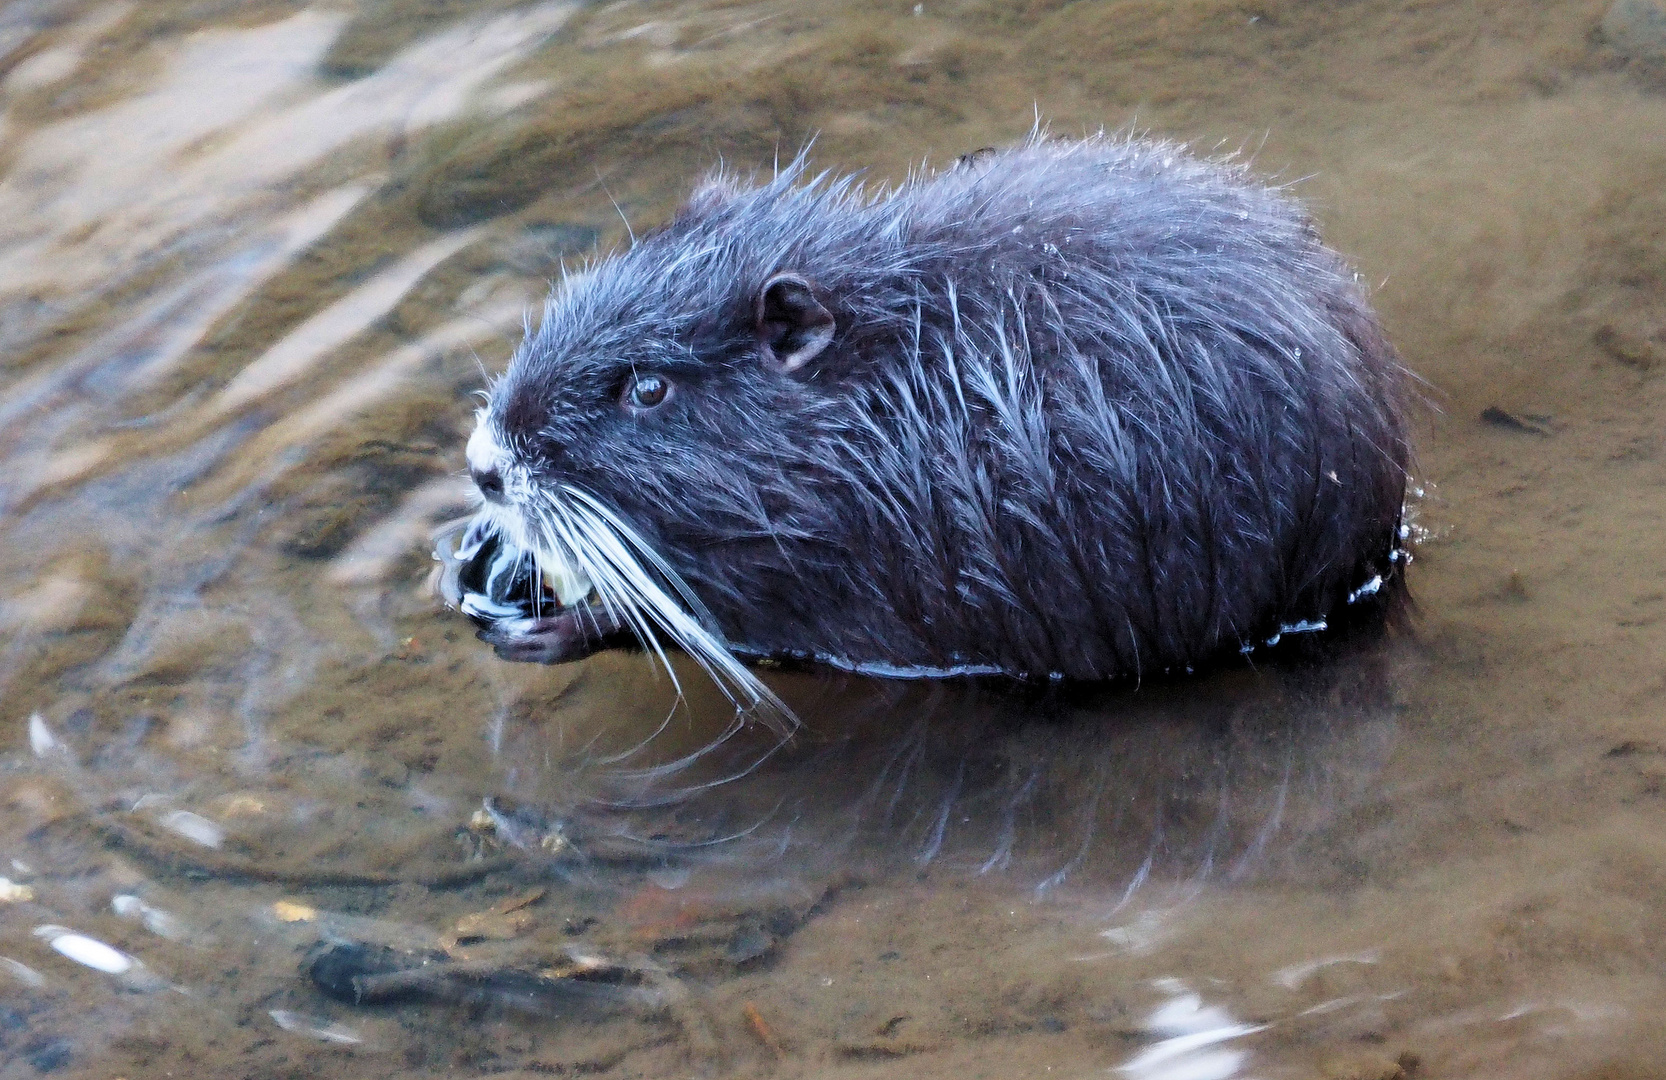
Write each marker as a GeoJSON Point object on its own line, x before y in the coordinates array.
{"type": "Point", "coordinates": [489, 481]}
{"type": "Point", "coordinates": [486, 460]}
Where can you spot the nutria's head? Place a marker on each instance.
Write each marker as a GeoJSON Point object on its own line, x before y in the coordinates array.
{"type": "Point", "coordinates": [660, 425]}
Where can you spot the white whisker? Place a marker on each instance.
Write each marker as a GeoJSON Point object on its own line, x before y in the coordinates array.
{"type": "Point", "coordinates": [626, 755]}
{"type": "Point", "coordinates": [576, 534]}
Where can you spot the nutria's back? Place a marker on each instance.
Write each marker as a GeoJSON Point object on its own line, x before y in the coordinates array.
{"type": "Point", "coordinates": [1093, 408]}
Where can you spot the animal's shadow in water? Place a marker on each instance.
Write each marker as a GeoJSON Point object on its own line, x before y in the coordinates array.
{"type": "Point", "coordinates": [1233, 776]}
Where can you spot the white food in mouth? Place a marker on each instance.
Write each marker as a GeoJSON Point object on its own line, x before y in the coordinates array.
{"type": "Point", "coordinates": [568, 583]}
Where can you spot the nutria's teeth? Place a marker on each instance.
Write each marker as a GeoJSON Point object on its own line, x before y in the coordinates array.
{"type": "Point", "coordinates": [569, 585]}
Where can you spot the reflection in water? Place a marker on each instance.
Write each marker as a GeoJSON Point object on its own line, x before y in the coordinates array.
{"type": "Point", "coordinates": [156, 338]}
{"type": "Point", "coordinates": [1177, 785]}
{"type": "Point", "coordinates": [1184, 784]}
{"type": "Point", "coordinates": [266, 810]}
{"type": "Point", "coordinates": [236, 115]}
{"type": "Point", "coordinates": [1192, 1044]}
{"type": "Point", "coordinates": [696, 853]}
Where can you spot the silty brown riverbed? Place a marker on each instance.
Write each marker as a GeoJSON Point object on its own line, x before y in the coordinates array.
{"type": "Point", "coordinates": [254, 259]}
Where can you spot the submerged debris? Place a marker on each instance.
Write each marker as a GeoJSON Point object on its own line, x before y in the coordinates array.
{"type": "Point", "coordinates": [316, 1027]}
{"type": "Point", "coordinates": [1528, 423]}
{"type": "Point", "coordinates": [362, 974]}
{"type": "Point", "coordinates": [502, 921]}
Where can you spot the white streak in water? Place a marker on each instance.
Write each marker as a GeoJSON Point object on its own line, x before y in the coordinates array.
{"type": "Point", "coordinates": [389, 376]}
{"type": "Point", "coordinates": [23, 973]}
{"type": "Point", "coordinates": [193, 827]}
{"type": "Point", "coordinates": [316, 1027]}
{"type": "Point", "coordinates": [1191, 1050]}
{"type": "Point", "coordinates": [86, 951]}
{"type": "Point", "coordinates": [373, 555]}
{"type": "Point", "coordinates": [1292, 977]}
{"type": "Point", "coordinates": [317, 337]}
{"type": "Point", "coordinates": [157, 921]}
{"type": "Point", "coordinates": [41, 739]}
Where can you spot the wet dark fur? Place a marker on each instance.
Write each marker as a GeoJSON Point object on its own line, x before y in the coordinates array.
{"type": "Point", "coordinates": [1095, 408]}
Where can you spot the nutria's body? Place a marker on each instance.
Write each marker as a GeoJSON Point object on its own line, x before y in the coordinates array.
{"type": "Point", "coordinates": [1091, 409]}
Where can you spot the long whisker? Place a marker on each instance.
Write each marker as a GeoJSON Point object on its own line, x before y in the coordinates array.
{"type": "Point", "coordinates": [637, 588]}
{"type": "Point", "coordinates": [642, 744]}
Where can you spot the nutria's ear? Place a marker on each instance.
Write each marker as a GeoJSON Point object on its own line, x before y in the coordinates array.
{"type": "Point", "coordinates": [792, 325]}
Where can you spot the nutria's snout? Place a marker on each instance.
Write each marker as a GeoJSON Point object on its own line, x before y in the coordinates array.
{"type": "Point", "coordinates": [490, 483]}
{"type": "Point", "coordinates": [1087, 409]}
{"type": "Point", "coordinates": [487, 462]}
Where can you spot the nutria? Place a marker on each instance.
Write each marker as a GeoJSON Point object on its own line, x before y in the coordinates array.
{"type": "Point", "coordinates": [1076, 409]}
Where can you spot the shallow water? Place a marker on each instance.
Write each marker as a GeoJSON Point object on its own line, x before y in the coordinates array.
{"type": "Point", "coordinates": [253, 260]}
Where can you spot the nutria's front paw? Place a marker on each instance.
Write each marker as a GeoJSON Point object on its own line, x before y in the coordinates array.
{"type": "Point", "coordinates": [572, 634]}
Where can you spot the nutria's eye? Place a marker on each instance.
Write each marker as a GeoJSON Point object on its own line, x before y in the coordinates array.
{"type": "Point", "coordinates": [647, 391]}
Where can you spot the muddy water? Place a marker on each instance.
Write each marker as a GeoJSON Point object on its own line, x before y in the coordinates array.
{"type": "Point", "coordinates": [253, 261]}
